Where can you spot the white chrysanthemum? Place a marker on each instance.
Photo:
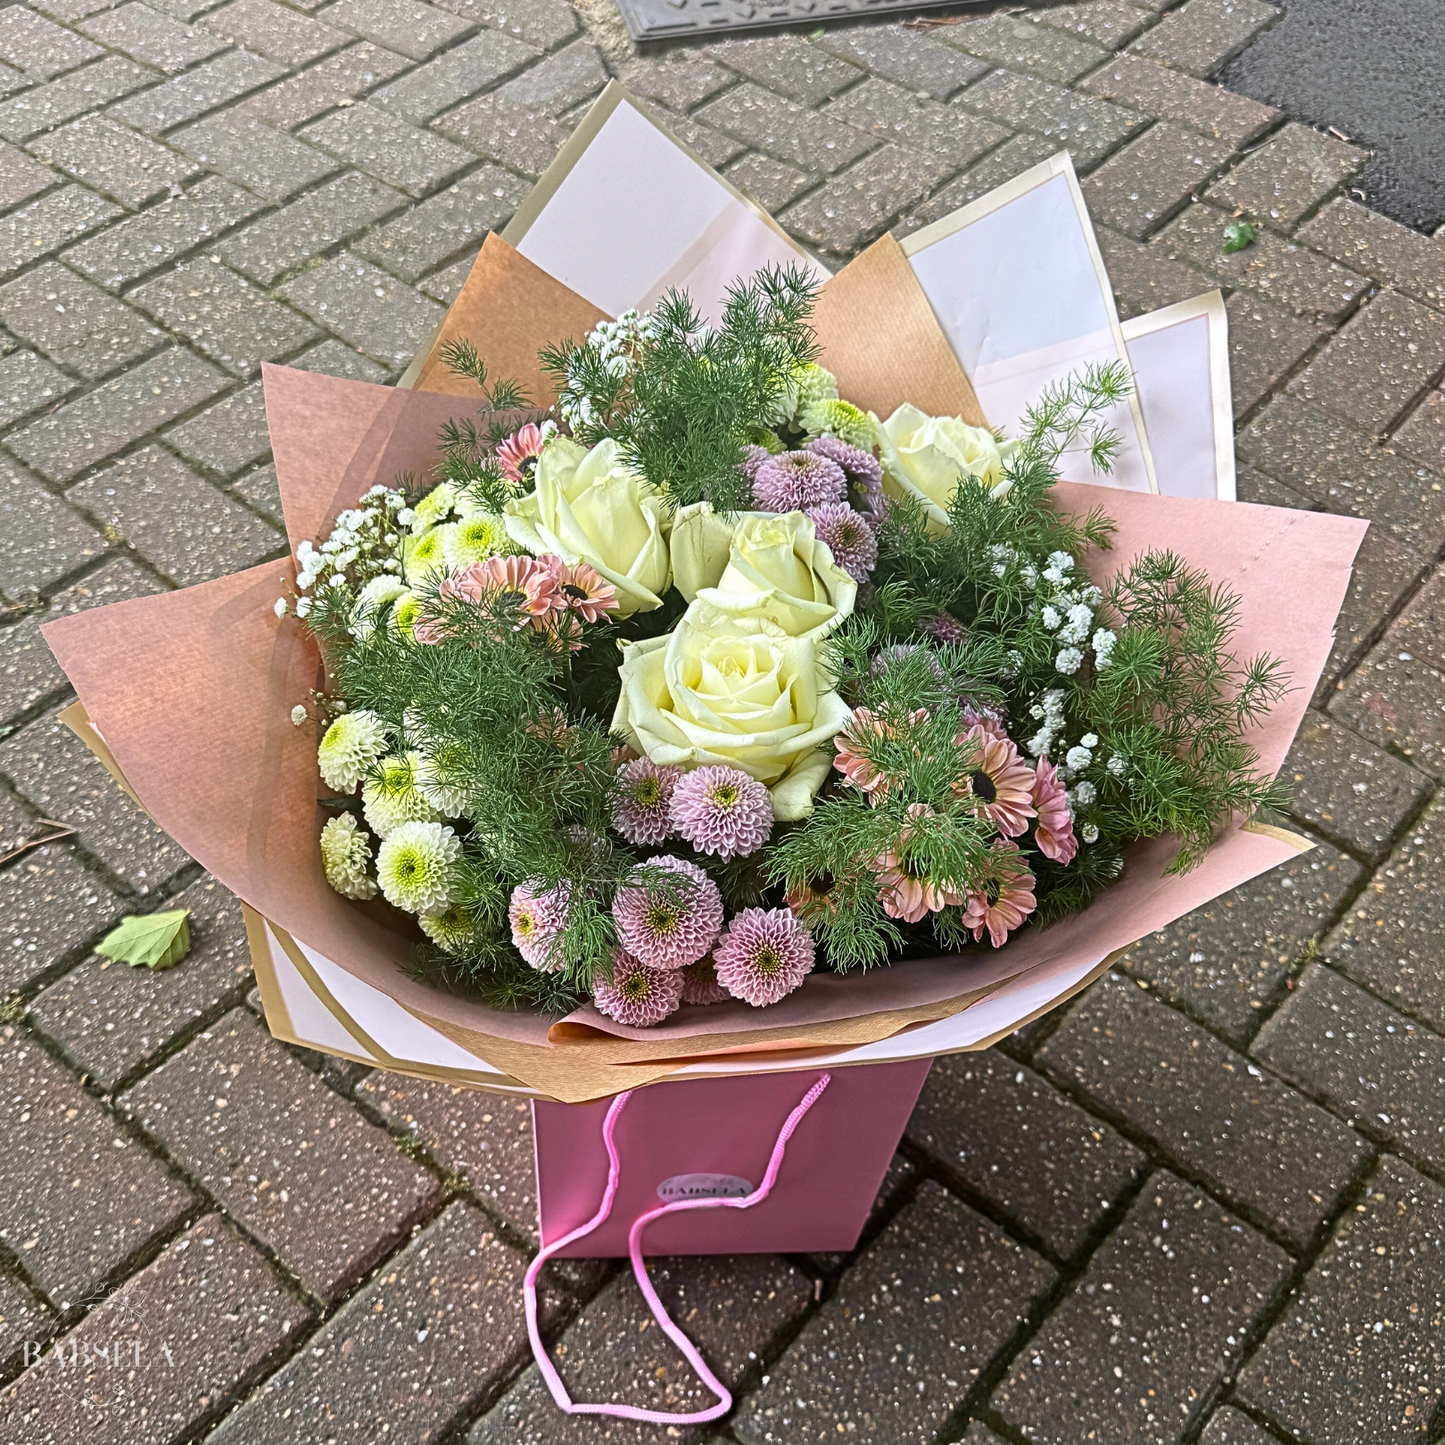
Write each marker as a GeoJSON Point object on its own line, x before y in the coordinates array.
{"type": "Point", "coordinates": [352, 744]}
{"type": "Point", "coordinates": [436, 506]}
{"type": "Point", "coordinates": [451, 930]}
{"type": "Point", "coordinates": [345, 855]}
{"type": "Point", "coordinates": [405, 612]}
{"type": "Point", "coordinates": [391, 798]}
{"type": "Point", "coordinates": [480, 536]}
{"type": "Point", "coordinates": [424, 558]}
{"type": "Point", "coordinates": [414, 867]}
{"type": "Point", "coordinates": [439, 777]}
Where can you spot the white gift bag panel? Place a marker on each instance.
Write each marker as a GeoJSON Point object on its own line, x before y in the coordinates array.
{"type": "Point", "coordinates": [626, 212]}
{"type": "Point", "coordinates": [1018, 285]}
{"type": "Point", "coordinates": [1180, 357]}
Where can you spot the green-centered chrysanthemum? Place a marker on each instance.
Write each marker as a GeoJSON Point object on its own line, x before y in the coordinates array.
{"type": "Point", "coordinates": [404, 613]}
{"type": "Point", "coordinates": [389, 797]}
{"type": "Point", "coordinates": [352, 744]}
{"type": "Point", "coordinates": [435, 507]}
{"type": "Point", "coordinates": [414, 867]}
{"type": "Point", "coordinates": [424, 558]}
{"type": "Point", "coordinates": [475, 539]}
{"type": "Point", "coordinates": [374, 601]}
{"type": "Point", "coordinates": [346, 857]}
{"type": "Point", "coordinates": [443, 778]}
{"type": "Point", "coordinates": [839, 419]}
{"type": "Point", "coordinates": [451, 930]}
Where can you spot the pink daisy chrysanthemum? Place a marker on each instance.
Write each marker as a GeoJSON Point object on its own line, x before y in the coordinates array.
{"type": "Point", "coordinates": [637, 995]}
{"type": "Point", "coordinates": [903, 891]}
{"type": "Point", "coordinates": [668, 923]}
{"type": "Point", "coordinates": [581, 589]}
{"type": "Point", "coordinates": [853, 746]}
{"type": "Point", "coordinates": [764, 955]}
{"type": "Point", "coordinates": [1000, 782]}
{"type": "Point", "coordinates": [517, 456]}
{"type": "Point", "coordinates": [723, 811]}
{"type": "Point", "coordinates": [538, 917]}
{"type": "Point", "coordinates": [699, 983]}
{"type": "Point", "coordinates": [509, 584]}
{"type": "Point", "coordinates": [641, 800]}
{"type": "Point", "coordinates": [795, 481]}
{"type": "Point", "coordinates": [1005, 898]}
{"type": "Point", "coordinates": [848, 537]}
{"type": "Point", "coordinates": [864, 475]}
{"type": "Point", "coordinates": [1054, 827]}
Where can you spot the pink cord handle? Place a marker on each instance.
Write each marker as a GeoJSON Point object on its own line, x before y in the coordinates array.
{"type": "Point", "coordinates": [639, 1270]}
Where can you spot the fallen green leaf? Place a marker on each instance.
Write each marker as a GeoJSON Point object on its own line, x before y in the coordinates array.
{"type": "Point", "coordinates": [149, 940]}
{"type": "Point", "coordinates": [1238, 235]}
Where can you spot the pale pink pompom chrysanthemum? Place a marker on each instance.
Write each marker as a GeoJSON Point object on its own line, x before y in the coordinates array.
{"type": "Point", "coordinates": [637, 996]}
{"type": "Point", "coordinates": [764, 955]}
{"type": "Point", "coordinates": [699, 983]}
{"type": "Point", "coordinates": [795, 481]}
{"type": "Point", "coordinates": [538, 916]}
{"type": "Point", "coordinates": [722, 810]}
{"type": "Point", "coordinates": [1054, 827]}
{"type": "Point", "coordinates": [848, 537]}
{"type": "Point", "coordinates": [641, 800]}
{"type": "Point", "coordinates": [517, 456]}
{"type": "Point", "coordinates": [863, 473]}
{"type": "Point", "coordinates": [668, 922]}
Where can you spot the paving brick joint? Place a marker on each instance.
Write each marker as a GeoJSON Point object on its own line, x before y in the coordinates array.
{"type": "Point", "coordinates": [1204, 1202]}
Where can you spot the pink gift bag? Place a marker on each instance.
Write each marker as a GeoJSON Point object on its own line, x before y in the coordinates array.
{"type": "Point", "coordinates": [752, 1164]}
{"type": "Point", "coordinates": [702, 1138]}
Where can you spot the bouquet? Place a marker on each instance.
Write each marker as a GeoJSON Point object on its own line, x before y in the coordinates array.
{"type": "Point", "coordinates": [706, 678]}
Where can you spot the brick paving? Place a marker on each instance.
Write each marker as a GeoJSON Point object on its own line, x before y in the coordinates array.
{"type": "Point", "coordinates": [1206, 1202]}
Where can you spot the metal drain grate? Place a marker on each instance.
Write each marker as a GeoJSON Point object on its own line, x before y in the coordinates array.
{"type": "Point", "coordinates": [664, 19]}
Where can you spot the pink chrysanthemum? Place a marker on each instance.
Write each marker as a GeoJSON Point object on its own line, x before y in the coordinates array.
{"type": "Point", "coordinates": [517, 456]}
{"type": "Point", "coordinates": [637, 995]}
{"type": "Point", "coordinates": [848, 537]}
{"type": "Point", "coordinates": [863, 472]}
{"type": "Point", "coordinates": [581, 589]}
{"type": "Point", "coordinates": [853, 750]}
{"type": "Point", "coordinates": [764, 955]}
{"type": "Point", "coordinates": [944, 627]}
{"type": "Point", "coordinates": [641, 801]}
{"type": "Point", "coordinates": [699, 983]}
{"type": "Point", "coordinates": [1000, 782]}
{"type": "Point", "coordinates": [518, 584]}
{"type": "Point", "coordinates": [671, 923]}
{"type": "Point", "coordinates": [903, 891]}
{"type": "Point", "coordinates": [1005, 898]}
{"type": "Point", "coordinates": [722, 810]}
{"type": "Point", "coordinates": [753, 457]}
{"type": "Point", "coordinates": [538, 917]}
{"type": "Point", "coordinates": [795, 481]}
{"type": "Point", "coordinates": [1054, 827]}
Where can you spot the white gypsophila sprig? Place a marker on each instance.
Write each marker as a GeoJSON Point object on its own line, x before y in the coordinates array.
{"type": "Point", "coordinates": [346, 857]}
{"type": "Point", "coordinates": [351, 745]}
{"type": "Point", "coordinates": [390, 797]}
{"type": "Point", "coordinates": [364, 543]}
{"type": "Point", "coordinates": [414, 867]}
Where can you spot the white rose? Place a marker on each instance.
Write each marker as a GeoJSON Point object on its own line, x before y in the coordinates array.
{"type": "Point", "coordinates": [589, 507]}
{"type": "Point", "coordinates": [756, 701]}
{"type": "Point", "coordinates": [924, 456]}
{"type": "Point", "coordinates": [779, 571]}
{"type": "Point", "coordinates": [701, 542]}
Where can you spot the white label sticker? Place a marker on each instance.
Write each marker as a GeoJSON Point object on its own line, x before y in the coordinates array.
{"type": "Point", "coordinates": [704, 1186]}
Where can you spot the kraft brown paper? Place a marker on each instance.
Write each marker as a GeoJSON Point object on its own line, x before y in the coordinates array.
{"type": "Point", "coordinates": [508, 308]}
{"type": "Point", "coordinates": [877, 334]}
{"type": "Point", "coordinates": [191, 692]}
